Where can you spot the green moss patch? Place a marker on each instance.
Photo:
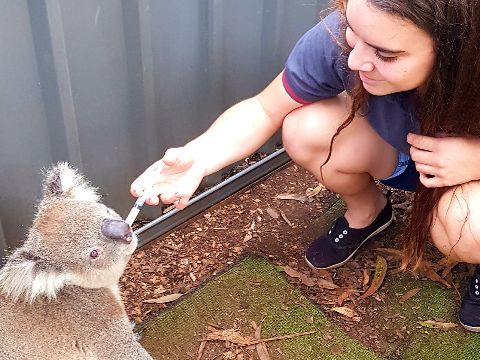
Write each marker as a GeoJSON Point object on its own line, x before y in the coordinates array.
{"type": "Point", "coordinates": [433, 302]}
{"type": "Point", "coordinates": [253, 290]}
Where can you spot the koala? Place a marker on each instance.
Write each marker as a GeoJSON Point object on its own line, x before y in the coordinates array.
{"type": "Point", "coordinates": [59, 292]}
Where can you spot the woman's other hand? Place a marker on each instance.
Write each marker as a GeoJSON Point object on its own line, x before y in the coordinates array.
{"type": "Point", "coordinates": [445, 160]}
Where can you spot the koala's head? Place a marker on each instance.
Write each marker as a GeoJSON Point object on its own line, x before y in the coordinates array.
{"type": "Point", "coordinates": [74, 240]}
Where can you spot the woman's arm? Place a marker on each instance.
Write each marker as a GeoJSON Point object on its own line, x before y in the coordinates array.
{"type": "Point", "coordinates": [238, 132]}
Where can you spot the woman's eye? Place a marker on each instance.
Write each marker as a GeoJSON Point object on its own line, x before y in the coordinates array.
{"type": "Point", "coordinates": [385, 58]}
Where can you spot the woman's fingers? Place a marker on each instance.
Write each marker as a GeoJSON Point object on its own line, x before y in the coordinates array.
{"type": "Point", "coordinates": [424, 157]}
{"type": "Point", "coordinates": [426, 169]}
{"type": "Point", "coordinates": [152, 200]}
{"type": "Point", "coordinates": [430, 181]}
{"type": "Point", "coordinates": [171, 180]}
{"type": "Point", "coordinates": [147, 180]}
{"type": "Point", "coordinates": [181, 203]}
{"type": "Point", "coordinates": [427, 143]}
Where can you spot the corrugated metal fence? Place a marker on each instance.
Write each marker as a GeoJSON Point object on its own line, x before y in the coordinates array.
{"type": "Point", "coordinates": [108, 85]}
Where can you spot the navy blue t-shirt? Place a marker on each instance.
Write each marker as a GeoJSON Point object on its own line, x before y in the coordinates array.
{"type": "Point", "coordinates": [316, 69]}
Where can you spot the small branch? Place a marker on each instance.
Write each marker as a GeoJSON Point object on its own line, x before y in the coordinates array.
{"type": "Point", "coordinates": [283, 337]}
{"type": "Point", "coordinates": [200, 350]}
{"type": "Point", "coordinates": [276, 338]}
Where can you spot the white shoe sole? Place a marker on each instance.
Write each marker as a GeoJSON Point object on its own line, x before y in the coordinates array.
{"type": "Point", "coordinates": [475, 329]}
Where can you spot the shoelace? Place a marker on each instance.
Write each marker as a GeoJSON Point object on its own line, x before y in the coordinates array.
{"type": "Point", "coordinates": [477, 283]}
{"type": "Point", "coordinates": [340, 236]}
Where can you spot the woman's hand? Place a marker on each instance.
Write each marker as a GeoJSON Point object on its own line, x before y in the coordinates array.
{"type": "Point", "coordinates": [173, 179]}
{"type": "Point", "coordinates": [445, 161]}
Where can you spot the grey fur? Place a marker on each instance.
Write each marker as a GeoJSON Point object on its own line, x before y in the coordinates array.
{"type": "Point", "coordinates": [57, 301]}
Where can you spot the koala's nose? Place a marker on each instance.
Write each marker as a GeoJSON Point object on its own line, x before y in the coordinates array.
{"type": "Point", "coordinates": [117, 230]}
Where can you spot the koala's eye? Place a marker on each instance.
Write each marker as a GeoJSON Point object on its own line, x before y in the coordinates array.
{"type": "Point", "coordinates": [94, 254]}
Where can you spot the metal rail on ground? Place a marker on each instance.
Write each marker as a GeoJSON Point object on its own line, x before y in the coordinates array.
{"type": "Point", "coordinates": [212, 196]}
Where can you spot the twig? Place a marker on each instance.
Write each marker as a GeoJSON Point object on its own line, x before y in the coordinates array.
{"type": "Point", "coordinates": [456, 289]}
{"type": "Point", "coordinates": [217, 356]}
{"type": "Point", "coordinates": [283, 337]}
{"type": "Point", "coordinates": [200, 350]}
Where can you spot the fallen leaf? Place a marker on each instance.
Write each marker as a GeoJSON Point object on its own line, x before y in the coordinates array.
{"type": "Point", "coordinates": [323, 274]}
{"type": "Point", "coordinates": [327, 337]}
{"type": "Point", "coordinates": [284, 217]}
{"type": "Point", "coordinates": [430, 271]}
{"type": "Point", "coordinates": [298, 275]}
{"type": "Point", "coordinates": [248, 237]}
{"type": "Point", "coordinates": [273, 213]}
{"type": "Point", "coordinates": [432, 324]}
{"type": "Point", "coordinates": [380, 271]}
{"type": "Point", "coordinates": [325, 284]}
{"type": "Point", "coordinates": [448, 264]}
{"type": "Point", "coordinates": [366, 277]}
{"type": "Point", "coordinates": [337, 349]}
{"type": "Point", "coordinates": [447, 271]}
{"type": "Point", "coordinates": [287, 196]}
{"type": "Point", "coordinates": [344, 311]}
{"type": "Point", "coordinates": [262, 351]}
{"type": "Point", "coordinates": [261, 347]}
{"type": "Point", "coordinates": [309, 319]}
{"type": "Point", "coordinates": [447, 261]}
{"type": "Point", "coordinates": [163, 299]}
{"type": "Point", "coordinates": [409, 294]}
{"type": "Point", "coordinates": [432, 275]}
{"type": "Point", "coordinates": [312, 192]}
{"type": "Point", "coordinates": [229, 355]}
{"type": "Point", "coordinates": [345, 295]}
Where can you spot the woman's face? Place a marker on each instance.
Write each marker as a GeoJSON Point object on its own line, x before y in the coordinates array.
{"type": "Point", "coordinates": [390, 54]}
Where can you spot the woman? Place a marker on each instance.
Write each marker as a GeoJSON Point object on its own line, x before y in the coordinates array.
{"type": "Point", "coordinates": [357, 91]}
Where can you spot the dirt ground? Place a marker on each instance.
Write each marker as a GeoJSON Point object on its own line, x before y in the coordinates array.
{"type": "Point", "coordinates": [274, 218]}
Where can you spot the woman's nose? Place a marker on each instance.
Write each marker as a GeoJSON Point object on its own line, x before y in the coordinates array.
{"type": "Point", "coordinates": [359, 60]}
{"type": "Point", "coordinates": [117, 230]}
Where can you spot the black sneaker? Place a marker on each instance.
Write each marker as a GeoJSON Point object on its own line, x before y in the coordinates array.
{"type": "Point", "coordinates": [470, 308]}
{"type": "Point", "coordinates": [336, 247]}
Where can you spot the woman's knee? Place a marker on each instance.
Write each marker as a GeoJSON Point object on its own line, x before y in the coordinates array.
{"type": "Point", "coordinates": [308, 130]}
{"type": "Point", "coordinates": [455, 230]}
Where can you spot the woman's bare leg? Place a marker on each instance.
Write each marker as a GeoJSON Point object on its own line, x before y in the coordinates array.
{"type": "Point", "coordinates": [358, 154]}
{"type": "Point", "coordinates": [456, 233]}
{"type": "Point", "coordinates": [456, 229]}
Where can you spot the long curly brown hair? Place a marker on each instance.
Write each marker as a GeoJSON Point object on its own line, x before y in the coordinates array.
{"type": "Point", "coordinates": [450, 103]}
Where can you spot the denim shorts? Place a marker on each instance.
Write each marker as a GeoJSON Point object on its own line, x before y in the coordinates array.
{"type": "Point", "coordinates": [405, 176]}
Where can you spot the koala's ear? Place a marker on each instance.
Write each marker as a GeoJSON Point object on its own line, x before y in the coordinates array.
{"type": "Point", "coordinates": [26, 277]}
{"type": "Point", "coordinates": [63, 180]}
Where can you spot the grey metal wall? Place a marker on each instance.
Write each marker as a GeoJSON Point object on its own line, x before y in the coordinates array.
{"type": "Point", "coordinates": [108, 85]}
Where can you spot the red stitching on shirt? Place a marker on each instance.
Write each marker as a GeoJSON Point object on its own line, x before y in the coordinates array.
{"type": "Point", "coordinates": [291, 93]}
